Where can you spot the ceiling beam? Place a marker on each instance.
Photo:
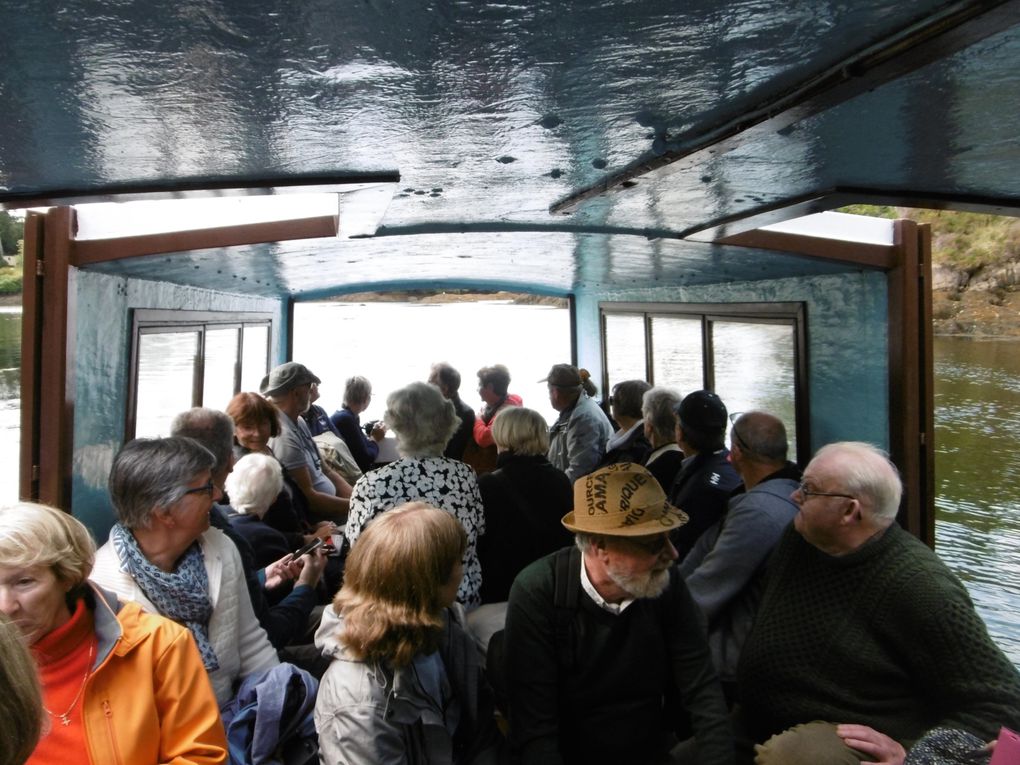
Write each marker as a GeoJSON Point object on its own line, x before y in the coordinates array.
{"type": "Point", "coordinates": [930, 39]}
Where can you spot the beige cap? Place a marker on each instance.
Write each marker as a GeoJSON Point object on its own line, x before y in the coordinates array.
{"type": "Point", "coordinates": [621, 500]}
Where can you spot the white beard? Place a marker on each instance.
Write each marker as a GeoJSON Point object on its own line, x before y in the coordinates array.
{"type": "Point", "coordinates": [650, 585]}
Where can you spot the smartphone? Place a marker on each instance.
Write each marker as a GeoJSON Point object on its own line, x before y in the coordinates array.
{"type": "Point", "coordinates": [313, 545]}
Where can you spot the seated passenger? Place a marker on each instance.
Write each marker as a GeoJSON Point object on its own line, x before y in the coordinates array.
{"type": "Point", "coordinates": [405, 684]}
{"type": "Point", "coordinates": [724, 571]}
{"type": "Point", "coordinates": [578, 438]}
{"type": "Point", "coordinates": [864, 640]}
{"type": "Point", "coordinates": [493, 383]}
{"type": "Point", "coordinates": [706, 478]}
{"type": "Point", "coordinates": [347, 420]}
{"type": "Point", "coordinates": [447, 379]}
{"type": "Point", "coordinates": [604, 647]}
{"type": "Point", "coordinates": [163, 555]}
{"type": "Point", "coordinates": [119, 685]}
{"type": "Point", "coordinates": [657, 411]}
{"type": "Point", "coordinates": [422, 421]}
{"type": "Point", "coordinates": [316, 418]}
{"type": "Point", "coordinates": [524, 499]}
{"type": "Point", "coordinates": [289, 388]}
{"type": "Point", "coordinates": [21, 710]}
{"type": "Point", "coordinates": [628, 443]}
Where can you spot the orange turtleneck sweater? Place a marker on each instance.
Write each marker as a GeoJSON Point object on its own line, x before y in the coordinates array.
{"type": "Point", "coordinates": [64, 658]}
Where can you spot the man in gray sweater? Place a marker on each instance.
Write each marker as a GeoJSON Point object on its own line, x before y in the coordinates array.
{"type": "Point", "coordinates": [724, 570]}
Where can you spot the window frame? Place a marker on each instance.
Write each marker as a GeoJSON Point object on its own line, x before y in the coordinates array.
{"type": "Point", "coordinates": [791, 313]}
{"type": "Point", "coordinates": [145, 321]}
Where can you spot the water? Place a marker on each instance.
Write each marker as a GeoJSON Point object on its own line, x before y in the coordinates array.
{"type": "Point", "coordinates": [977, 412]}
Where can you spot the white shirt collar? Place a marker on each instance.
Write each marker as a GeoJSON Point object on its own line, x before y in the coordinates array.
{"type": "Point", "coordinates": [605, 605]}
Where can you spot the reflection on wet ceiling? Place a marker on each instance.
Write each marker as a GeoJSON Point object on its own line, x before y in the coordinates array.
{"type": "Point", "coordinates": [495, 114]}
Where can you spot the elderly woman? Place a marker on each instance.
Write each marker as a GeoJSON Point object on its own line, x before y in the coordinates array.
{"type": "Point", "coordinates": [423, 421]}
{"type": "Point", "coordinates": [658, 410]}
{"type": "Point", "coordinates": [347, 421]}
{"type": "Point", "coordinates": [163, 555]}
{"type": "Point", "coordinates": [405, 684]}
{"type": "Point", "coordinates": [255, 422]}
{"type": "Point", "coordinates": [524, 499]}
{"type": "Point", "coordinates": [122, 685]}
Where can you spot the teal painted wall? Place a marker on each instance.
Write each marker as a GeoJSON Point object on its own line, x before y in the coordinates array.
{"type": "Point", "coordinates": [102, 337]}
{"type": "Point", "coordinates": [847, 320]}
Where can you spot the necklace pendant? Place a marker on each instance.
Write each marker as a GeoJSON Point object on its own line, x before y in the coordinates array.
{"type": "Point", "coordinates": [65, 720]}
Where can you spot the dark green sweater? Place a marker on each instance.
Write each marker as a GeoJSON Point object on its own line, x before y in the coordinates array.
{"type": "Point", "coordinates": [603, 699]}
{"type": "Point", "coordinates": [885, 636]}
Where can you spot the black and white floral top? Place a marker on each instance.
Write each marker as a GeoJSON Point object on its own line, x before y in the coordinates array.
{"type": "Point", "coordinates": [442, 482]}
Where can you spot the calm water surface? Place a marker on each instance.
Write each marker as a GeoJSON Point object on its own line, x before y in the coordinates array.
{"type": "Point", "coordinates": [977, 416]}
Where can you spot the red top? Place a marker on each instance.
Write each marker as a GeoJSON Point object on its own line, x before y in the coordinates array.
{"type": "Point", "coordinates": [63, 657]}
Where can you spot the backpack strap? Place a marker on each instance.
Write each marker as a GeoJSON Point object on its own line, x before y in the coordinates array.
{"type": "Point", "coordinates": [566, 596]}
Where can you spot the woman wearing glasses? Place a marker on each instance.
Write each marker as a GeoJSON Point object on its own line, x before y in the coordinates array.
{"type": "Point", "coordinates": [122, 685]}
{"type": "Point", "coordinates": [163, 555]}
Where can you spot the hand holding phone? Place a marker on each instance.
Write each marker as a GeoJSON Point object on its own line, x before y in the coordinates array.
{"type": "Point", "coordinates": [313, 545]}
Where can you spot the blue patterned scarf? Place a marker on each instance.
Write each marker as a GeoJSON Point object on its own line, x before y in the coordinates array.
{"type": "Point", "coordinates": [182, 595]}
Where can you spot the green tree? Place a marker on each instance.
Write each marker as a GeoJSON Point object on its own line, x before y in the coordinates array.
{"type": "Point", "coordinates": [12, 231]}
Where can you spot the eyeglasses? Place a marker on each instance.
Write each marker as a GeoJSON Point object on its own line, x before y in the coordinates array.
{"type": "Point", "coordinates": [736, 436]}
{"type": "Point", "coordinates": [808, 493]}
{"type": "Point", "coordinates": [207, 488]}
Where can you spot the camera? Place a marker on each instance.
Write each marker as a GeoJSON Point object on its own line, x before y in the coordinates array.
{"type": "Point", "coordinates": [368, 427]}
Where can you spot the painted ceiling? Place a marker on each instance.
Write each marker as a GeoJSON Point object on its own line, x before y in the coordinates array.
{"type": "Point", "coordinates": [548, 146]}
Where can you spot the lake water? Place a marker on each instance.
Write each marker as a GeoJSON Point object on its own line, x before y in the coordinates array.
{"type": "Point", "coordinates": [977, 412]}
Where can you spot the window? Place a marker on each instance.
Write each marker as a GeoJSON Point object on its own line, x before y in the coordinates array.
{"type": "Point", "coordinates": [182, 359]}
{"type": "Point", "coordinates": [751, 354]}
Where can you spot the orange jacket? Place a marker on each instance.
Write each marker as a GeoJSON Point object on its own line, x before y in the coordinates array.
{"type": "Point", "coordinates": [148, 699]}
{"type": "Point", "coordinates": [483, 430]}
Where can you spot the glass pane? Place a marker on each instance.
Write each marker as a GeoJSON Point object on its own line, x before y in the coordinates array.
{"type": "Point", "coordinates": [220, 360]}
{"type": "Point", "coordinates": [625, 348]}
{"type": "Point", "coordinates": [677, 360]}
{"type": "Point", "coordinates": [754, 369]}
{"type": "Point", "coordinates": [166, 370]}
{"type": "Point", "coordinates": [254, 357]}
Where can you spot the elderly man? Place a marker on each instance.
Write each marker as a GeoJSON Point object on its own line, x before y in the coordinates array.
{"type": "Point", "coordinates": [284, 621]}
{"type": "Point", "coordinates": [706, 478]}
{"type": "Point", "coordinates": [447, 379]}
{"type": "Point", "coordinates": [629, 443]}
{"type": "Point", "coordinates": [864, 639]}
{"type": "Point", "coordinates": [604, 647]}
{"type": "Point", "coordinates": [577, 440]}
{"type": "Point", "coordinates": [289, 388]}
{"type": "Point", "coordinates": [724, 571]}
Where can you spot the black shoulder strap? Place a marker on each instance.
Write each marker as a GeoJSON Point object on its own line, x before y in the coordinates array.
{"type": "Point", "coordinates": [566, 595]}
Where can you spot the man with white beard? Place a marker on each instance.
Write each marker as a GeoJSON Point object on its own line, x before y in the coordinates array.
{"type": "Point", "coordinates": [604, 647]}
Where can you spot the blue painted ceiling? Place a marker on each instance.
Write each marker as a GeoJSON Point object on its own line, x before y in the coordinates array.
{"type": "Point", "coordinates": [492, 113]}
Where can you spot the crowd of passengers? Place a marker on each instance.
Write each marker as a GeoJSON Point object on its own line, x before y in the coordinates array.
{"type": "Point", "coordinates": [618, 588]}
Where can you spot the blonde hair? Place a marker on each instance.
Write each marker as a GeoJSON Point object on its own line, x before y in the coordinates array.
{"type": "Point", "coordinates": [521, 431]}
{"type": "Point", "coordinates": [37, 535]}
{"type": "Point", "coordinates": [21, 710]}
{"type": "Point", "coordinates": [390, 599]}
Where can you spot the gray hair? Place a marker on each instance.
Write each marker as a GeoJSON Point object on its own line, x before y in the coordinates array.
{"type": "Point", "coordinates": [421, 419]}
{"type": "Point", "coordinates": [257, 480]}
{"type": "Point", "coordinates": [657, 409]}
{"type": "Point", "coordinates": [357, 390]}
{"type": "Point", "coordinates": [152, 473]}
{"type": "Point", "coordinates": [211, 428]}
{"type": "Point", "coordinates": [867, 473]}
{"type": "Point", "coordinates": [627, 397]}
{"type": "Point", "coordinates": [761, 437]}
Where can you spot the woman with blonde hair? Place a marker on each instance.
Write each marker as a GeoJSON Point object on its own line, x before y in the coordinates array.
{"type": "Point", "coordinates": [405, 684]}
{"type": "Point", "coordinates": [118, 685]}
{"type": "Point", "coordinates": [524, 499]}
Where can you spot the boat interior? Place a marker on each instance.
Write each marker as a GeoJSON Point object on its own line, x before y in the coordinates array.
{"type": "Point", "coordinates": [214, 162]}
